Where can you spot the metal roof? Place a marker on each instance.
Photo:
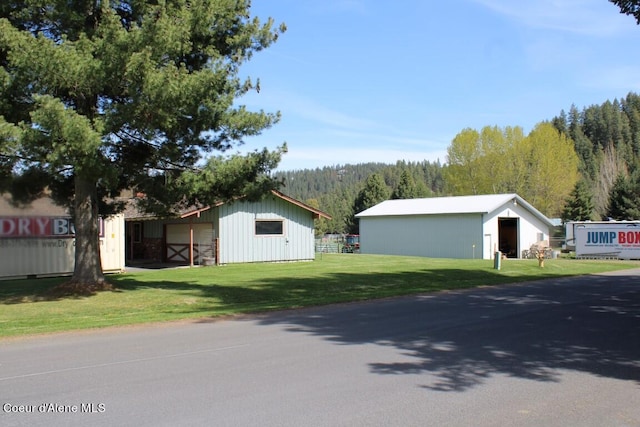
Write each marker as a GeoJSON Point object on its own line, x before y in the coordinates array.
{"type": "Point", "coordinates": [449, 205]}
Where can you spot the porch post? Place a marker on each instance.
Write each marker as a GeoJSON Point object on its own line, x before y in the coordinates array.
{"type": "Point", "coordinates": [191, 242]}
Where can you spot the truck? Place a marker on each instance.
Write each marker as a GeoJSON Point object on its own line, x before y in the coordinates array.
{"type": "Point", "coordinates": [603, 239]}
{"type": "Point", "coordinates": [351, 244]}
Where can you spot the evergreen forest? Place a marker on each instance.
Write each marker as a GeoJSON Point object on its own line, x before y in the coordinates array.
{"type": "Point", "coordinates": [605, 137]}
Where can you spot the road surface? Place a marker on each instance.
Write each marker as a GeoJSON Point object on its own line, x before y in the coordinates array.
{"type": "Point", "coordinates": [555, 353]}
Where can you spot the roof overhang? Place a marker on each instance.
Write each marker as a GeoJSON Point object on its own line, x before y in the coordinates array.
{"type": "Point", "coordinates": [316, 212]}
{"type": "Point", "coordinates": [195, 212]}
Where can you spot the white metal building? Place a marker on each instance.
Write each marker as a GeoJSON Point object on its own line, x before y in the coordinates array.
{"type": "Point", "coordinates": [276, 228]}
{"type": "Point", "coordinates": [38, 240]}
{"type": "Point", "coordinates": [453, 227]}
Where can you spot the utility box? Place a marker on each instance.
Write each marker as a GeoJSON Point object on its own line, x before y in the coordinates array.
{"type": "Point", "coordinates": [497, 260]}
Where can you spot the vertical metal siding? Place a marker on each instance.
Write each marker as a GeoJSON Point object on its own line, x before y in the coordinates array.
{"type": "Point", "coordinates": [36, 256]}
{"type": "Point", "coordinates": [435, 236]}
{"type": "Point", "coordinates": [153, 229]}
{"type": "Point", "coordinates": [528, 225]}
{"type": "Point", "coordinates": [447, 236]}
{"type": "Point", "coordinates": [239, 243]}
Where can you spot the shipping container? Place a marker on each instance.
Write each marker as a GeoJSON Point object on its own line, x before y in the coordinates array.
{"type": "Point", "coordinates": [32, 246]}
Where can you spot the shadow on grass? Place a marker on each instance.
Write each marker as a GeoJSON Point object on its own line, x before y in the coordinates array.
{"type": "Point", "coordinates": [283, 291]}
{"type": "Point", "coordinates": [453, 340]}
{"type": "Point", "coordinates": [277, 292]}
{"type": "Point", "coordinates": [29, 290]}
{"type": "Point", "coordinates": [38, 290]}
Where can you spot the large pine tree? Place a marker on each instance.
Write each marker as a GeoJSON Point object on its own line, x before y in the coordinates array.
{"type": "Point", "coordinates": [97, 96]}
{"type": "Point", "coordinates": [629, 7]}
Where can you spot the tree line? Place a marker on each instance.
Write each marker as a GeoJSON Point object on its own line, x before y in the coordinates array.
{"type": "Point", "coordinates": [606, 138]}
{"type": "Point", "coordinates": [580, 165]}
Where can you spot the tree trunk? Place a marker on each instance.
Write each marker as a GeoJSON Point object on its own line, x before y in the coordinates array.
{"type": "Point", "coordinates": [87, 274]}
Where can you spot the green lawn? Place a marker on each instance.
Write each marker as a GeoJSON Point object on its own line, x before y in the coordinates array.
{"type": "Point", "coordinates": [186, 293]}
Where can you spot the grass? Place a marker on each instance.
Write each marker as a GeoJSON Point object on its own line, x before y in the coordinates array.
{"type": "Point", "coordinates": [191, 293]}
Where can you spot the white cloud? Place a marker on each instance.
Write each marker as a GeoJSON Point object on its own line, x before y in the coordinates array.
{"type": "Point", "coordinates": [292, 105]}
{"type": "Point", "coordinates": [384, 134]}
{"type": "Point", "coordinates": [586, 17]}
{"type": "Point", "coordinates": [320, 136]}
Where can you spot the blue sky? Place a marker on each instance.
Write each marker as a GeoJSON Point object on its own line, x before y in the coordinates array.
{"type": "Point", "coordinates": [379, 81]}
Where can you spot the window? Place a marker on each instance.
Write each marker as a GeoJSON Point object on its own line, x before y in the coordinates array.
{"type": "Point", "coordinates": [269, 228]}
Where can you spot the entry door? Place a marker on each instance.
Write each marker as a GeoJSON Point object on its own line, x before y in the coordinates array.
{"type": "Point", "coordinates": [487, 247]}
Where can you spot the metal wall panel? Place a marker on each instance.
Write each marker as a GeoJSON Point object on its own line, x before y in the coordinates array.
{"type": "Point", "coordinates": [434, 236]}
{"type": "Point", "coordinates": [529, 226]}
{"type": "Point", "coordinates": [447, 236]}
{"type": "Point", "coordinates": [152, 229]}
{"type": "Point", "coordinates": [239, 243]}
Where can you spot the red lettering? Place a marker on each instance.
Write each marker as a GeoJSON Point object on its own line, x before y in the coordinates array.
{"type": "Point", "coordinates": [13, 227]}
{"type": "Point", "coordinates": [35, 227]}
{"type": "Point", "coordinates": [7, 226]}
{"type": "Point", "coordinates": [629, 237]}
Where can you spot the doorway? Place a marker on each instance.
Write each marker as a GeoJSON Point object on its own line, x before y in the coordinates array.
{"type": "Point", "coordinates": [508, 237]}
{"type": "Point", "coordinates": [134, 246]}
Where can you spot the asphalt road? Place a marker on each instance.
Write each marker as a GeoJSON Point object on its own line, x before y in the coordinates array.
{"type": "Point", "coordinates": [553, 353]}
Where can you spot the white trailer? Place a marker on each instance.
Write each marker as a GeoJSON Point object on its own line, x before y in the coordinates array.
{"type": "Point", "coordinates": [604, 239]}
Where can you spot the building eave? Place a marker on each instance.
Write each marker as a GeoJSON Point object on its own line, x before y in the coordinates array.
{"type": "Point", "coordinates": [316, 212]}
{"type": "Point", "coordinates": [136, 216]}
